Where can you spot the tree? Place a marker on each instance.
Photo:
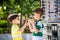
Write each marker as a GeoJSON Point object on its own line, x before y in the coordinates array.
{"type": "Point", "coordinates": [24, 7]}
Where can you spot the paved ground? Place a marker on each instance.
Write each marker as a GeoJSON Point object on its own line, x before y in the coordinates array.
{"type": "Point", "coordinates": [8, 37]}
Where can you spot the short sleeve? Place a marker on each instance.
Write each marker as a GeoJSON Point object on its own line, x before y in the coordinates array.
{"type": "Point", "coordinates": [39, 25]}
{"type": "Point", "coordinates": [14, 31]}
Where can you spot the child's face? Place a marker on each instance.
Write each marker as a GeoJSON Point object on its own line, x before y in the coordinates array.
{"type": "Point", "coordinates": [16, 21]}
{"type": "Point", "coordinates": [36, 16]}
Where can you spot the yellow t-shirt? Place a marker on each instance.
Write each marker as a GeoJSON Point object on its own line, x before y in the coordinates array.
{"type": "Point", "coordinates": [16, 35]}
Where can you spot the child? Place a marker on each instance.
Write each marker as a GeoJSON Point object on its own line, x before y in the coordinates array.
{"type": "Point", "coordinates": [15, 30]}
{"type": "Point", "coordinates": [36, 25]}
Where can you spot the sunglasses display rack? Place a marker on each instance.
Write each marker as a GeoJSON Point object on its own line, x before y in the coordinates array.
{"type": "Point", "coordinates": [58, 10]}
{"type": "Point", "coordinates": [51, 10]}
{"type": "Point", "coordinates": [52, 18]}
{"type": "Point", "coordinates": [51, 31]}
{"type": "Point", "coordinates": [59, 32]}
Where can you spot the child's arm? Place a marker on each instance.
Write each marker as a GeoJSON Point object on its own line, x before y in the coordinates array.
{"type": "Point", "coordinates": [23, 27]}
{"type": "Point", "coordinates": [30, 27]}
{"type": "Point", "coordinates": [35, 29]}
{"type": "Point", "coordinates": [33, 25]}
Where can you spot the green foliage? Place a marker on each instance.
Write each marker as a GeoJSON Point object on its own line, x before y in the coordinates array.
{"type": "Point", "coordinates": [4, 30]}
{"type": "Point", "coordinates": [3, 22]}
{"type": "Point", "coordinates": [24, 7]}
{"type": "Point", "coordinates": [1, 30]}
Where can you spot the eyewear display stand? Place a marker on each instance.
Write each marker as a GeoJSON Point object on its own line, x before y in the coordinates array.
{"type": "Point", "coordinates": [51, 31]}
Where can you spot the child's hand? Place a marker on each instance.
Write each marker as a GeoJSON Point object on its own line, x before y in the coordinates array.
{"type": "Point", "coordinates": [31, 21]}
{"type": "Point", "coordinates": [26, 24]}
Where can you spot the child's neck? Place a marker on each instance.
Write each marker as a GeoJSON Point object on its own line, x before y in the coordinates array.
{"type": "Point", "coordinates": [15, 24]}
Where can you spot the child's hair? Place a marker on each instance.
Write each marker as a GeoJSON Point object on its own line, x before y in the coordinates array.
{"type": "Point", "coordinates": [38, 11]}
{"type": "Point", "coordinates": [12, 17]}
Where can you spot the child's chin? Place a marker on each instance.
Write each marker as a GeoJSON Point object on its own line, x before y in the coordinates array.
{"type": "Point", "coordinates": [35, 18]}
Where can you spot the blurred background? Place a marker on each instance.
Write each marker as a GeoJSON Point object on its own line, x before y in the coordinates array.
{"type": "Point", "coordinates": [23, 8]}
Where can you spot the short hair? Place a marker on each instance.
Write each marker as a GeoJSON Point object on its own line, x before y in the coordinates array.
{"type": "Point", "coordinates": [12, 17]}
{"type": "Point", "coordinates": [38, 10]}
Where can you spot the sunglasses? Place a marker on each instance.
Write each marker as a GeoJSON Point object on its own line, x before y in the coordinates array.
{"type": "Point", "coordinates": [43, 1]}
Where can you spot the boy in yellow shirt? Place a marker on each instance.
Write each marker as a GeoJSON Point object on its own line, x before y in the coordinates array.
{"type": "Point", "coordinates": [15, 30]}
